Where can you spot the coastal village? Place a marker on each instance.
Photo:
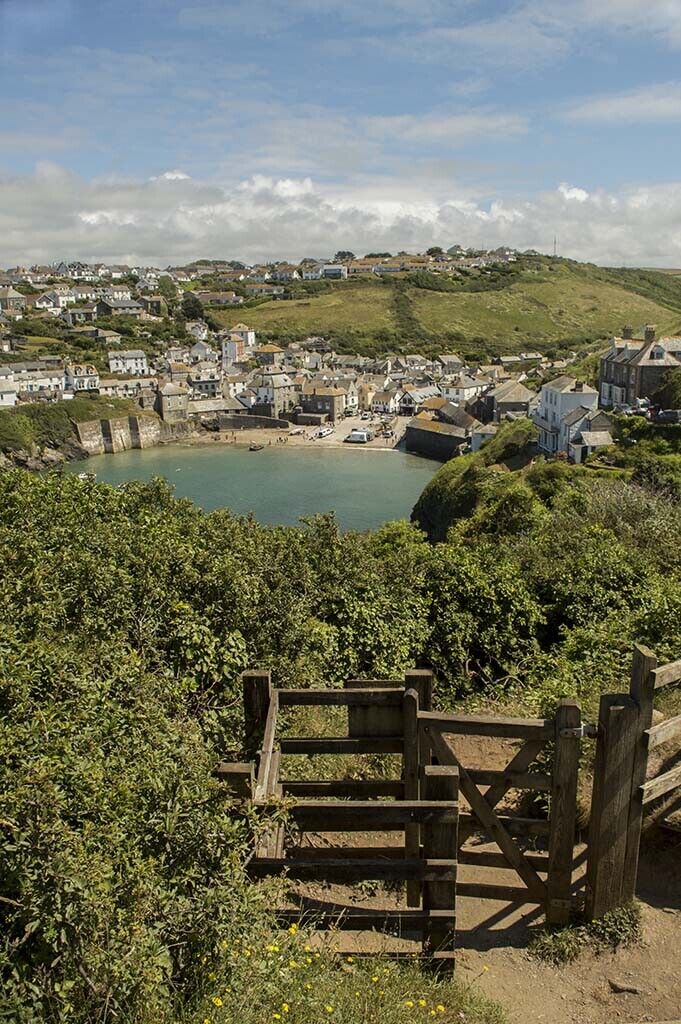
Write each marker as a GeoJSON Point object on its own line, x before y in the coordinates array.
{"type": "Point", "coordinates": [224, 379]}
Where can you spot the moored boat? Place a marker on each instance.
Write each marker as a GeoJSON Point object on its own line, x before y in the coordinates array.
{"type": "Point", "coordinates": [255, 447]}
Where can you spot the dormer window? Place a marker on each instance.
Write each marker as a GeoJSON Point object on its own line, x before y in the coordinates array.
{"type": "Point", "coordinates": [657, 352]}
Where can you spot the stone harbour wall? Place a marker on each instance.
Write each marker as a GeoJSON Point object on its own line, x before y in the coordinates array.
{"type": "Point", "coordinates": [99, 437]}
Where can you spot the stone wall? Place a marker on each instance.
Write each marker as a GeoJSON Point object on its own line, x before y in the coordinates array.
{"type": "Point", "coordinates": [98, 437]}
{"type": "Point", "coordinates": [436, 444]}
{"type": "Point", "coordinates": [237, 422]}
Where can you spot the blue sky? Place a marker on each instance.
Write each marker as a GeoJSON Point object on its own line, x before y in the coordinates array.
{"type": "Point", "coordinates": [163, 129]}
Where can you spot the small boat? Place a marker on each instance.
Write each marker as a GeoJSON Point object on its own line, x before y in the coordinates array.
{"type": "Point", "coordinates": [254, 447]}
{"type": "Point", "coordinates": [87, 476]}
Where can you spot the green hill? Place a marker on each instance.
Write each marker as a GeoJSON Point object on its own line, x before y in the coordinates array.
{"type": "Point", "coordinates": [535, 303]}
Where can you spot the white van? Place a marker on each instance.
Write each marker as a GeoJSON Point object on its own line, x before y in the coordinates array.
{"type": "Point", "coordinates": [359, 436]}
{"type": "Point", "coordinates": [324, 431]}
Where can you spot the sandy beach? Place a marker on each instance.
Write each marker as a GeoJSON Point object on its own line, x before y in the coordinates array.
{"type": "Point", "coordinates": [308, 438]}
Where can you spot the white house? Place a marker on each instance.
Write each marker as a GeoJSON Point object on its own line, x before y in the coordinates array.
{"type": "Point", "coordinates": [8, 394]}
{"type": "Point", "coordinates": [81, 377]}
{"type": "Point", "coordinates": [247, 334]}
{"type": "Point", "coordinates": [462, 388]}
{"type": "Point", "coordinates": [559, 398]}
{"type": "Point", "coordinates": [33, 381]}
{"type": "Point", "coordinates": [133, 361]}
{"type": "Point", "coordinates": [386, 402]}
{"type": "Point", "coordinates": [202, 352]}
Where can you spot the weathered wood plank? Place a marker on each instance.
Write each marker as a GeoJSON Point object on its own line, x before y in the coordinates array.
{"type": "Point", "coordinates": [410, 772]}
{"type": "Point", "coordinates": [440, 840]}
{"type": "Point", "coordinates": [356, 918]}
{"type": "Point", "coordinates": [364, 721]}
{"type": "Point", "coordinates": [518, 763]}
{"type": "Point", "coordinates": [357, 789]}
{"type": "Point", "coordinates": [563, 813]}
{"type": "Point", "coordinates": [257, 690]}
{"type": "Point", "coordinates": [488, 859]}
{"type": "Point", "coordinates": [492, 824]}
{"type": "Point", "coordinates": [661, 784]}
{"type": "Point", "coordinates": [504, 893]}
{"type": "Point", "coordinates": [347, 870]}
{"type": "Point", "coordinates": [469, 824]}
{"type": "Point", "coordinates": [642, 692]}
{"type": "Point", "coordinates": [610, 804]}
{"type": "Point", "coordinates": [511, 780]}
{"type": "Point", "coordinates": [239, 777]}
{"type": "Point", "coordinates": [343, 745]}
{"type": "Point", "coordinates": [487, 725]}
{"type": "Point", "coordinates": [665, 732]}
{"type": "Point", "coordinates": [356, 852]}
{"type": "Point", "coordinates": [665, 675]}
{"type": "Point", "coordinates": [360, 815]}
{"type": "Point", "coordinates": [264, 765]}
{"type": "Point", "coordinates": [373, 696]}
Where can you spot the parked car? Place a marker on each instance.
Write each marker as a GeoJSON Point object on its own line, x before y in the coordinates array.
{"type": "Point", "coordinates": [324, 431]}
{"type": "Point", "coordinates": [668, 416]}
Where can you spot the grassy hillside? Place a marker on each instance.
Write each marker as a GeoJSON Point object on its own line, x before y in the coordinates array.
{"type": "Point", "coordinates": [540, 303]}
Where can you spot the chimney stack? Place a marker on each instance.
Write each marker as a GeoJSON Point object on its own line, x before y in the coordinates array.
{"type": "Point", "coordinates": [579, 385]}
{"type": "Point", "coordinates": [649, 334]}
{"type": "Point", "coordinates": [627, 332]}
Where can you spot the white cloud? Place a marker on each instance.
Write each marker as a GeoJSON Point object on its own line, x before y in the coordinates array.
{"type": "Point", "coordinates": [53, 214]}
{"type": "Point", "coordinates": [653, 103]}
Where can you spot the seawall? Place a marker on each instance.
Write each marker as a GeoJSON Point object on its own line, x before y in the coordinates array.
{"type": "Point", "coordinates": [100, 437]}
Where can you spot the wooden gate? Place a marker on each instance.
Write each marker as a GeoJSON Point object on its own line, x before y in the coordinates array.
{"type": "Point", "coordinates": [546, 877]}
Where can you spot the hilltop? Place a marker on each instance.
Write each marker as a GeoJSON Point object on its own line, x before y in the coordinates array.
{"type": "Point", "coordinates": [536, 302]}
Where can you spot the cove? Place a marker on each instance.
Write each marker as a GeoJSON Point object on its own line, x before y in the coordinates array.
{"type": "Point", "coordinates": [279, 486]}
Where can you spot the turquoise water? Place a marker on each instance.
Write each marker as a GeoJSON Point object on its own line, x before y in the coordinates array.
{"type": "Point", "coordinates": [364, 488]}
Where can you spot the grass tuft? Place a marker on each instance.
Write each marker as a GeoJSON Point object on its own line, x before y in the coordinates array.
{"type": "Point", "coordinates": [618, 928]}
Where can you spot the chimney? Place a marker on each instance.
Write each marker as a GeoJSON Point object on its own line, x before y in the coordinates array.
{"type": "Point", "coordinates": [627, 332]}
{"type": "Point", "coordinates": [579, 385]}
{"type": "Point", "coordinates": [649, 334]}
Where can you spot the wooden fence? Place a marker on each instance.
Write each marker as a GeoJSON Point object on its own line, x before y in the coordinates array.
{"type": "Point", "coordinates": [422, 802]}
{"type": "Point", "coordinates": [623, 794]}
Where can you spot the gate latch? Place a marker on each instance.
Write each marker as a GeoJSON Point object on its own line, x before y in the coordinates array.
{"type": "Point", "coordinates": [585, 730]}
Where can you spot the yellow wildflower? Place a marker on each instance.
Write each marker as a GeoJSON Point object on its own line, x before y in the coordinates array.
{"type": "Point", "coordinates": [374, 978]}
{"type": "Point", "coordinates": [329, 1009]}
{"type": "Point", "coordinates": [485, 968]}
{"type": "Point", "coordinates": [308, 949]}
{"type": "Point", "coordinates": [440, 1008]}
{"type": "Point", "coordinates": [206, 1020]}
{"type": "Point", "coordinates": [432, 1013]}
{"type": "Point", "coordinates": [308, 986]}
{"type": "Point", "coordinates": [308, 959]}
{"type": "Point", "coordinates": [212, 976]}
{"type": "Point", "coordinates": [293, 964]}
{"type": "Point", "coordinates": [247, 953]}
{"type": "Point", "coordinates": [350, 959]}
{"type": "Point", "coordinates": [272, 948]}
{"type": "Point", "coordinates": [277, 1016]}
{"type": "Point", "coordinates": [409, 1003]}
{"type": "Point", "coordinates": [422, 1002]}
{"type": "Point", "coordinates": [293, 929]}
{"type": "Point", "coordinates": [317, 956]}
{"type": "Point", "coordinates": [284, 1007]}
{"type": "Point", "coordinates": [217, 1001]}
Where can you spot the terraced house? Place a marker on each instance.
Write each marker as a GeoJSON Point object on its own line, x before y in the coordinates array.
{"type": "Point", "coordinates": [635, 368]}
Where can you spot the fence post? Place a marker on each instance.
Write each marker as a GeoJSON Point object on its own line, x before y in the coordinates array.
{"type": "Point", "coordinates": [642, 690]}
{"type": "Point", "coordinates": [563, 812]}
{"type": "Point", "coordinates": [412, 832]}
{"type": "Point", "coordinates": [441, 842]}
{"type": "Point", "coordinates": [617, 736]}
{"type": "Point", "coordinates": [257, 691]}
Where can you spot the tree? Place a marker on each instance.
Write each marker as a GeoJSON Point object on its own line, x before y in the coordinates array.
{"type": "Point", "coordinates": [192, 307]}
{"type": "Point", "coordinates": [378, 256]}
{"type": "Point", "coordinates": [435, 250]}
{"type": "Point", "coordinates": [668, 395]}
{"type": "Point", "coordinates": [342, 255]}
{"type": "Point", "coordinates": [166, 288]}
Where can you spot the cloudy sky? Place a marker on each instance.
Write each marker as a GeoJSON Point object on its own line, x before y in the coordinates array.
{"type": "Point", "coordinates": [163, 130]}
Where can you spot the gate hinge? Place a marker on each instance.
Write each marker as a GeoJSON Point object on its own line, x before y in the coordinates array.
{"type": "Point", "coordinates": [585, 730]}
